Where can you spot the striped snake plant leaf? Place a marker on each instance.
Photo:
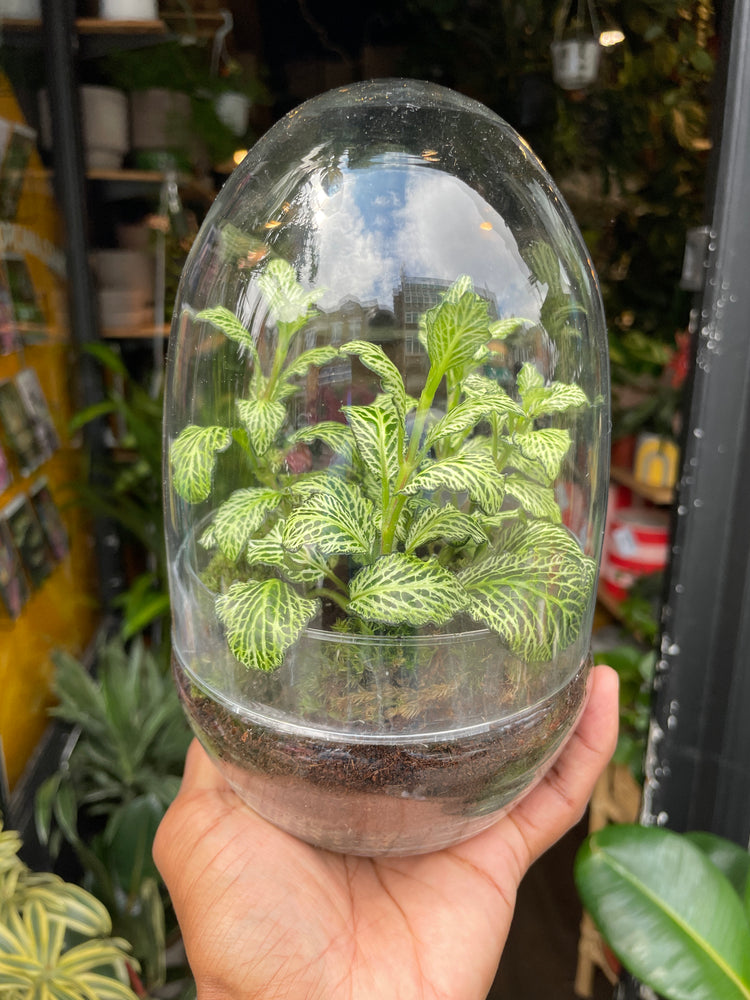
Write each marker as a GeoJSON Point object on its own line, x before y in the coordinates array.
{"type": "Point", "coordinates": [443, 524]}
{"type": "Point", "coordinates": [669, 914]}
{"type": "Point", "coordinates": [377, 431]}
{"type": "Point", "coordinates": [228, 323]}
{"type": "Point", "coordinates": [238, 518]}
{"type": "Point", "coordinates": [262, 620]}
{"type": "Point", "coordinates": [262, 419]}
{"type": "Point", "coordinates": [474, 473]}
{"type": "Point", "coordinates": [532, 597]}
{"type": "Point", "coordinates": [332, 524]}
{"type": "Point", "coordinates": [374, 357]}
{"type": "Point", "coordinates": [193, 458]}
{"type": "Point", "coordinates": [402, 589]}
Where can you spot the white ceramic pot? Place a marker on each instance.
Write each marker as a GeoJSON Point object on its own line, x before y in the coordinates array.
{"type": "Point", "coordinates": [128, 10]}
{"type": "Point", "coordinates": [124, 269]}
{"type": "Point", "coordinates": [104, 114]}
{"type": "Point", "coordinates": [21, 9]}
{"type": "Point", "coordinates": [233, 109]}
{"type": "Point", "coordinates": [105, 126]}
{"type": "Point", "coordinates": [575, 62]}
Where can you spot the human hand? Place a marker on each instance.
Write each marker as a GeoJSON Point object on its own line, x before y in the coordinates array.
{"type": "Point", "coordinates": [264, 915]}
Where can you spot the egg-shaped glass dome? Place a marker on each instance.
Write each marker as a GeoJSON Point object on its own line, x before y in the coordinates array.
{"type": "Point", "coordinates": [386, 458]}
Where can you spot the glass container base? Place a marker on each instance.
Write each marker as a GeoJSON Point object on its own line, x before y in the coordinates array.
{"type": "Point", "coordinates": [381, 796]}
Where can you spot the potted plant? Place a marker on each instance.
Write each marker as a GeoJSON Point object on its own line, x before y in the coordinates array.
{"type": "Point", "coordinates": [54, 936]}
{"type": "Point", "coordinates": [380, 607]}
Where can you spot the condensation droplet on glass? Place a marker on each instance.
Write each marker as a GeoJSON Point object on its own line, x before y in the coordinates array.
{"type": "Point", "coordinates": [662, 818]}
{"type": "Point", "coordinates": [673, 649]}
{"type": "Point", "coordinates": [698, 432]}
{"type": "Point", "coordinates": [697, 502]}
{"type": "Point", "coordinates": [682, 509]}
{"type": "Point", "coordinates": [679, 588]}
{"type": "Point", "coordinates": [671, 722]}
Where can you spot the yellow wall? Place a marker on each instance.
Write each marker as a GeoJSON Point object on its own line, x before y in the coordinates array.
{"type": "Point", "coordinates": [61, 612]}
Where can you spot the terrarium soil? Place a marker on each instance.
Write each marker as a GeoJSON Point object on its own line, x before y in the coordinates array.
{"type": "Point", "coordinates": [337, 792]}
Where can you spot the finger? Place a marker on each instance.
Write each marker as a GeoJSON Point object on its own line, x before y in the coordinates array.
{"type": "Point", "coordinates": [560, 799]}
{"type": "Point", "coordinates": [200, 773]}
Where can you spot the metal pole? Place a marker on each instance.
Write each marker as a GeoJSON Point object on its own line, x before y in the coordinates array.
{"type": "Point", "coordinates": [698, 761]}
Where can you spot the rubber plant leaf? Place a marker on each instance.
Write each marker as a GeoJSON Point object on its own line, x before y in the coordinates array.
{"type": "Point", "coordinates": [238, 518]}
{"type": "Point", "coordinates": [668, 913]}
{"type": "Point", "coordinates": [729, 858]}
{"type": "Point", "coordinates": [402, 589]}
{"type": "Point", "coordinates": [262, 620]}
{"type": "Point", "coordinates": [193, 457]}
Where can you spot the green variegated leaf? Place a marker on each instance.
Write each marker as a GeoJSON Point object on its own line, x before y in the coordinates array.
{"type": "Point", "coordinates": [226, 321]}
{"type": "Point", "coordinates": [262, 620]}
{"type": "Point", "coordinates": [460, 419]}
{"type": "Point", "coordinates": [539, 401]}
{"type": "Point", "coordinates": [105, 988]}
{"type": "Point", "coordinates": [534, 599]}
{"type": "Point", "coordinates": [529, 378]}
{"type": "Point", "coordinates": [474, 473]}
{"type": "Point", "coordinates": [477, 386]}
{"type": "Point", "coordinates": [457, 327]}
{"type": "Point", "coordinates": [503, 328]}
{"type": "Point", "coordinates": [333, 525]}
{"type": "Point", "coordinates": [402, 589]}
{"type": "Point", "coordinates": [263, 419]}
{"type": "Point", "coordinates": [317, 356]}
{"type": "Point", "coordinates": [444, 524]}
{"type": "Point", "coordinates": [542, 451]}
{"type": "Point", "coordinates": [338, 437]}
{"type": "Point", "coordinates": [288, 301]}
{"type": "Point", "coordinates": [375, 358]}
{"type": "Point", "coordinates": [303, 566]}
{"type": "Point", "coordinates": [238, 518]}
{"type": "Point", "coordinates": [377, 431]}
{"type": "Point", "coordinates": [536, 499]}
{"type": "Point", "coordinates": [193, 458]}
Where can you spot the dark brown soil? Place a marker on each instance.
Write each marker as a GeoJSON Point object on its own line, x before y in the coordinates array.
{"type": "Point", "coordinates": [348, 794]}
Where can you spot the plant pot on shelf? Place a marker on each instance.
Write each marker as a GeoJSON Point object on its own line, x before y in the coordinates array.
{"type": "Point", "coordinates": [104, 114]}
{"type": "Point", "coordinates": [380, 620]}
{"type": "Point", "coordinates": [128, 10]}
{"type": "Point", "coordinates": [160, 129]}
{"type": "Point", "coordinates": [575, 62]}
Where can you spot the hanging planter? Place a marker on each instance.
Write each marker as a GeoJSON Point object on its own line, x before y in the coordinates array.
{"type": "Point", "coordinates": [387, 362]}
{"type": "Point", "coordinates": [576, 51]}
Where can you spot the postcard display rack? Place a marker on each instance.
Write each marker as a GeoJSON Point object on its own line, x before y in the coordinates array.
{"type": "Point", "coordinates": [47, 578]}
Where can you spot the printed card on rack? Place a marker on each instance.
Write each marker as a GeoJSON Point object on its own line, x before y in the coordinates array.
{"type": "Point", "coordinates": [38, 412]}
{"type": "Point", "coordinates": [29, 540]}
{"type": "Point", "coordinates": [50, 519]}
{"type": "Point", "coordinates": [14, 590]}
{"type": "Point", "coordinates": [17, 429]}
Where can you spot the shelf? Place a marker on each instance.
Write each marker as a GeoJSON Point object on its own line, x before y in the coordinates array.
{"type": "Point", "coordinates": [101, 26]}
{"type": "Point", "coordinates": [135, 332]}
{"type": "Point", "coordinates": [660, 495]}
{"type": "Point", "coordinates": [125, 176]}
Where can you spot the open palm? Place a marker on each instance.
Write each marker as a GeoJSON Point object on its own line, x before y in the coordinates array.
{"type": "Point", "coordinates": [264, 915]}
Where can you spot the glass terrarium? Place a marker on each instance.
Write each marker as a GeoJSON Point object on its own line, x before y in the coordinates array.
{"type": "Point", "coordinates": [386, 457]}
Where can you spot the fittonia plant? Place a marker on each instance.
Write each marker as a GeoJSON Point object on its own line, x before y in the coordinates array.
{"type": "Point", "coordinates": [431, 519]}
